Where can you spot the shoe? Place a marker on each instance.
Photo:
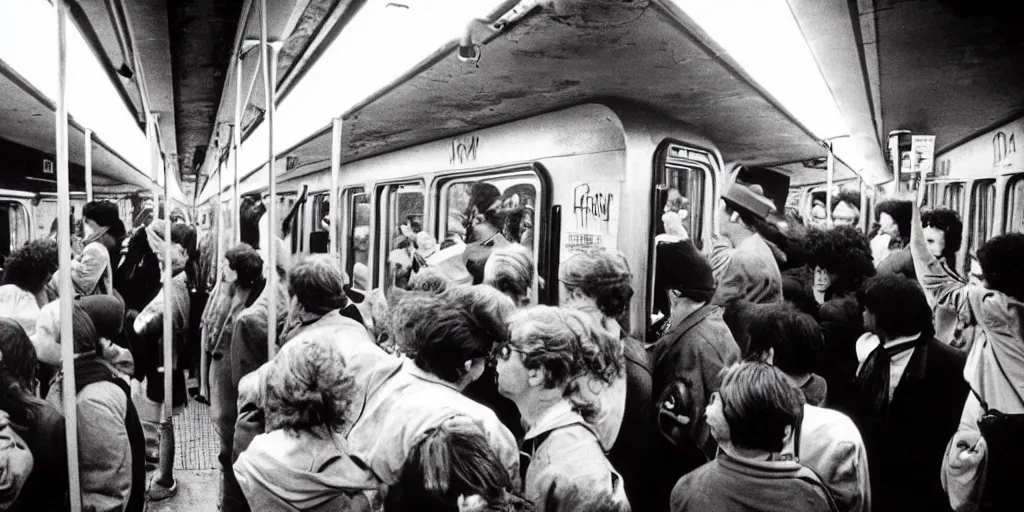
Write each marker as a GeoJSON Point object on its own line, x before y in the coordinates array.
{"type": "Point", "coordinates": [158, 492]}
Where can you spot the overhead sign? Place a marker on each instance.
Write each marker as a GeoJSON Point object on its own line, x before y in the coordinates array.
{"type": "Point", "coordinates": [922, 154]}
{"type": "Point", "coordinates": [594, 216]}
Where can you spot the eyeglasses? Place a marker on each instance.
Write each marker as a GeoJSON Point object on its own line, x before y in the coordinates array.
{"type": "Point", "coordinates": [504, 351]}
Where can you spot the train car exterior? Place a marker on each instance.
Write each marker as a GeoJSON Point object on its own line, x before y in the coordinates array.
{"type": "Point", "coordinates": [981, 179]}
{"type": "Point", "coordinates": [595, 175]}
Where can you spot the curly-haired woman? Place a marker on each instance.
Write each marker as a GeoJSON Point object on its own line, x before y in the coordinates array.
{"type": "Point", "coordinates": [26, 273]}
{"type": "Point", "coordinates": [841, 259]}
{"type": "Point", "coordinates": [301, 463]}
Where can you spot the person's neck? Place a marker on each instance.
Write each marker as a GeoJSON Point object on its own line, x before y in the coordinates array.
{"type": "Point", "coordinates": [684, 308]}
{"type": "Point", "coordinates": [533, 406]}
{"type": "Point", "coordinates": [747, 453]}
{"type": "Point", "coordinates": [739, 234]}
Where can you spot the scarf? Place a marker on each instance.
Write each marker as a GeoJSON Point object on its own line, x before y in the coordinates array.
{"type": "Point", "coordinates": [872, 383]}
{"type": "Point", "coordinates": [95, 236]}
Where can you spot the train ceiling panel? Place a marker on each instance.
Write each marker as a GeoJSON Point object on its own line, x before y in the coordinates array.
{"type": "Point", "coordinates": [949, 67]}
{"type": "Point", "coordinates": [570, 52]}
{"type": "Point", "coordinates": [27, 118]}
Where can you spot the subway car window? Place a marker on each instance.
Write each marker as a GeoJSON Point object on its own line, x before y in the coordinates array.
{"type": "Point", "coordinates": [983, 204]}
{"type": "Point", "coordinates": [681, 181]}
{"type": "Point", "coordinates": [402, 208]}
{"type": "Point", "coordinates": [1015, 205]}
{"type": "Point", "coordinates": [953, 197]}
{"type": "Point", "coordinates": [319, 232]}
{"type": "Point", "coordinates": [357, 256]}
{"type": "Point", "coordinates": [515, 202]}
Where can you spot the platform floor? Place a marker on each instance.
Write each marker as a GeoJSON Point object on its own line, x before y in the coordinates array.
{"type": "Point", "coordinates": [195, 464]}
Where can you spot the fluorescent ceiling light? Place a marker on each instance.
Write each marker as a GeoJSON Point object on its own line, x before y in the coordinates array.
{"type": "Point", "coordinates": [28, 43]}
{"type": "Point", "coordinates": [384, 40]}
{"type": "Point", "coordinates": [762, 36]}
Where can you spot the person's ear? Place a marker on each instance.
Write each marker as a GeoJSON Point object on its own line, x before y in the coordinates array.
{"type": "Point", "coordinates": [535, 377]}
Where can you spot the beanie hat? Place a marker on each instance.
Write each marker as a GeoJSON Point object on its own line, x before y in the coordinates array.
{"type": "Point", "coordinates": [106, 313]}
{"type": "Point", "coordinates": [681, 267]}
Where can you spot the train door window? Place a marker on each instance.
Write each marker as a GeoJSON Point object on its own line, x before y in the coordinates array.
{"type": "Point", "coordinates": [401, 210]}
{"type": "Point", "coordinates": [953, 197]}
{"type": "Point", "coordinates": [683, 179]}
{"type": "Point", "coordinates": [933, 191]}
{"type": "Point", "coordinates": [289, 220]}
{"type": "Point", "coordinates": [1015, 205]}
{"type": "Point", "coordinates": [14, 228]}
{"type": "Point", "coordinates": [319, 232]}
{"type": "Point", "coordinates": [514, 200]}
{"type": "Point", "coordinates": [357, 248]}
{"type": "Point", "coordinates": [983, 211]}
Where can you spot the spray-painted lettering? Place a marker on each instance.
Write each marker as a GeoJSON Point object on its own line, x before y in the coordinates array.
{"type": "Point", "coordinates": [1003, 145]}
{"type": "Point", "coordinates": [589, 206]}
{"type": "Point", "coordinates": [463, 150]}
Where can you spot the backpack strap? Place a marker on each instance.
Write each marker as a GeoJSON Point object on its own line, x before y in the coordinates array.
{"type": "Point", "coordinates": [808, 475]}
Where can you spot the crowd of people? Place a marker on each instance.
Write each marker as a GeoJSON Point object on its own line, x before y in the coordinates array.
{"type": "Point", "coordinates": [791, 368]}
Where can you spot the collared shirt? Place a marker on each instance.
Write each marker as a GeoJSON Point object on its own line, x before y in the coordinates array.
{"type": "Point", "coordinates": [869, 342]}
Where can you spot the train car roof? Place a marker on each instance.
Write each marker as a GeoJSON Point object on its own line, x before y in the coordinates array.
{"type": "Point", "coordinates": [648, 53]}
{"type": "Point", "coordinates": [27, 118]}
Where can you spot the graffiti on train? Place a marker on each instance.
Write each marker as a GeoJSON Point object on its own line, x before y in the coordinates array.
{"type": "Point", "coordinates": [595, 215]}
{"type": "Point", "coordinates": [590, 205]}
{"type": "Point", "coordinates": [463, 150]}
{"type": "Point", "coordinates": [1003, 146]}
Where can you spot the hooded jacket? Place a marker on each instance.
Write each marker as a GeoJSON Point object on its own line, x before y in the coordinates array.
{"type": "Point", "coordinates": [304, 471]}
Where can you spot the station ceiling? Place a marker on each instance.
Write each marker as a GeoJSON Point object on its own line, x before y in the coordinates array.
{"type": "Point", "coordinates": [951, 68]}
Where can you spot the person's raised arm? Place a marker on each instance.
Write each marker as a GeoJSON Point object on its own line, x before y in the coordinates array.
{"type": "Point", "coordinates": [941, 286]}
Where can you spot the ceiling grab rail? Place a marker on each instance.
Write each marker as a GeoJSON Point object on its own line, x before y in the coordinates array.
{"type": "Point", "coordinates": [67, 348]}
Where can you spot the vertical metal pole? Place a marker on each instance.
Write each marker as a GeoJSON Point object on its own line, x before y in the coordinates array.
{"type": "Point", "coordinates": [334, 202]}
{"type": "Point", "coordinates": [831, 176]}
{"type": "Point", "coordinates": [268, 60]}
{"type": "Point", "coordinates": [67, 348]}
{"type": "Point", "coordinates": [169, 298]}
{"type": "Point", "coordinates": [236, 140]}
{"type": "Point", "coordinates": [219, 219]}
{"type": "Point", "coordinates": [865, 224]}
{"type": "Point", "coordinates": [88, 165]}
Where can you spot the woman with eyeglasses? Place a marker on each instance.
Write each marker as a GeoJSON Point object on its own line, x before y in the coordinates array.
{"type": "Point", "coordinates": [753, 416]}
{"type": "Point", "coordinates": [548, 349]}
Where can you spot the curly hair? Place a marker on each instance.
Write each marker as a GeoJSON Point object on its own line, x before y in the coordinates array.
{"type": "Point", "coordinates": [452, 460]}
{"type": "Point", "coordinates": [510, 269]}
{"type": "Point", "coordinates": [490, 307]}
{"type": "Point", "coordinates": [844, 251]}
{"type": "Point", "coordinates": [17, 373]}
{"type": "Point", "coordinates": [899, 305]}
{"type": "Point", "coordinates": [1000, 259]}
{"type": "Point", "coordinates": [438, 334]}
{"type": "Point", "coordinates": [947, 221]}
{"type": "Point", "coordinates": [901, 212]}
{"type": "Point", "coordinates": [565, 344]}
{"type": "Point", "coordinates": [794, 336]}
{"type": "Point", "coordinates": [849, 197]}
{"type": "Point", "coordinates": [428, 279]}
{"type": "Point", "coordinates": [245, 261]}
{"type": "Point", "coordinates": [31, 266]}
{"type": "Point", "coordinates": [602, 276]}
{"type": "Point", "coordinates": [305, 387]}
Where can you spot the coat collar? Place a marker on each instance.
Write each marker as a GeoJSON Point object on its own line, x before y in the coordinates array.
{"type": "Point", "coordinates": [558, 416]}
{"type": "Point", "coordinates": [410, 367]}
